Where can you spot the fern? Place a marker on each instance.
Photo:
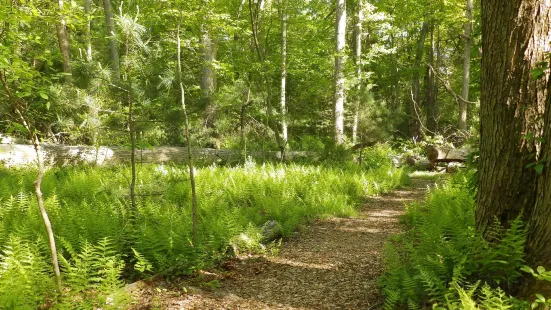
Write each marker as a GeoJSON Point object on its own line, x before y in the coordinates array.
{"type": "Point", "coordinates": [90, 215]}
{"type": "Point", "coordinates": [94, 274]}
{"type": "Point", "coordinates": [441, 253]}
{"type": "Point", "coordinates": [494, 299]}
{"type": "Point", "coordinates": [25, 281]}
{"type": "Point", "coordinates": [142, 264]}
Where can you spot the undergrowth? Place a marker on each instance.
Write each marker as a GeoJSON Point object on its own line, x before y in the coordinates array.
{"type": "Point", "coordinates": [442, 261]}
{"type": "Point", "coordinates": [102, 240]}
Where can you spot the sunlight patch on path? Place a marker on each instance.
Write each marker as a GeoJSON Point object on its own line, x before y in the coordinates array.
{"type": "Point", "coordinates": [333, 264]}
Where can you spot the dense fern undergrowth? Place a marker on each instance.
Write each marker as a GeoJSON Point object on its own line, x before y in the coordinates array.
{"type": "Point", "coordinates": [442, 263]}
{"type": "Point", "coordinates": [102, 241]}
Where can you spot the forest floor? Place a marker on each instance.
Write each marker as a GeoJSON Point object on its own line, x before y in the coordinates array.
{"type": "Point", "coordinates": [332, 264]}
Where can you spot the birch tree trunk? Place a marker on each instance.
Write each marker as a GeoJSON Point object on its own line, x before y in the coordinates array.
{"type": "Point", "coordinates": [254, 10]}
{"type": "Point", "coordinates": [113, 45]}
{"type": "Point", "coordinates": [466, 67]}
{"type": "Point", "coordinates": [63, 41]}
{"type": "Point", "coordinates": [87, 11]}
{"type": "Point", "coordinates": [208, 75]}
{"type": "Point", "coordinates": [357, 103]}
{"type": "Point", "coordinates": [283, 14]}
{"type": "Point", "coordinates": [340, 59]}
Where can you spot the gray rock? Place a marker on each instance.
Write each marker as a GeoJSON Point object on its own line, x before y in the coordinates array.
{"type": "Point", "coordinates": [271, 230]}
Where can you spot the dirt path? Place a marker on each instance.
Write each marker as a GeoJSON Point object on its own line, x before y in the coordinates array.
{"type": "Point", "coordinates": [333, 264]}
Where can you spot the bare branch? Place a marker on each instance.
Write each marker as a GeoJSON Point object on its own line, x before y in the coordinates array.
{"type": "Point", "coordinates": [448, 87]}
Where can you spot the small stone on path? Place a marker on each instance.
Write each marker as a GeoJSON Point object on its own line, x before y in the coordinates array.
{"type": "Point", "coordinates": [333, 264]}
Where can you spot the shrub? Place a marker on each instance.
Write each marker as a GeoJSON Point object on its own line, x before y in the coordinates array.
{"type": "Point", "coordinates": [440, 253]}
{"type": "Point", "coordinates": [90, 214]}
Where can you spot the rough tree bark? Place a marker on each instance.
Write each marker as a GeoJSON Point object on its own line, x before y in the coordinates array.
{"type": "Point", "coordinates": [340, 58]}
{"type": "Point", "coordinates": [113, 46]}
{"type": "Point", "coordinates": [63, 40]}
{"type": "Point", "coordinates": [413, 108]}
{"type": "Point", "coordinates": [358, 60]}
{"type": "Point", "coordinates": [514, 109]}
{"type": "Point", "coordinates": [466, 66]}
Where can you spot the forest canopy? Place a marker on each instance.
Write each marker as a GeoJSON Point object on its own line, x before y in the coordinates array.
{"type": "Point", "coordinates": [260, 71]}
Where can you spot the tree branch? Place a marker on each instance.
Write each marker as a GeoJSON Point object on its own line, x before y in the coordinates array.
{"type": "Point", "coordinates": [448, 87]}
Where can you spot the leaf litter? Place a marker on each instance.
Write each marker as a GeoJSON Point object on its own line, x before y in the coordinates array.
{"type": "Point", "coordinates": [332, 264]}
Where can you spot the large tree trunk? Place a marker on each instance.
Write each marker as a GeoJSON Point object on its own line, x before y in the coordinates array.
{"type": "Point", "coordinates": [413, 109]}
{"type": "Point", "coordinates": [515, 37]}
{"type": "Point", "coordinates": [466, 67]}
{"type": "Point", "coordinates": [358, 60]}
{"type": "Point", "coordinates": [340, 59]}
{"type": "Point", "coordinates": [113, 46]}
{"type": "Point", "coordinates": [283, 14]}
{"type": "Point", "coordinates": [63, 40]}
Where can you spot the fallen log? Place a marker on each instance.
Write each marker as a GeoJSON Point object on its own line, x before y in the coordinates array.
{"type": "Point", "coordinates": [437, 153]}
{"type": "Point", "coordinates": [18, 155]}
{"type": "Point", "coordinates": [447, 155]}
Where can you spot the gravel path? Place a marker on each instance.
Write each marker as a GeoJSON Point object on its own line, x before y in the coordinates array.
{"type": "Point", "coordinates": [333, 264]}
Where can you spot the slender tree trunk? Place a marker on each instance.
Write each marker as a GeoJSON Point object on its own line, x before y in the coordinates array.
{"type": "Point", "coordinates": [44, 213]}
{"type": "Point", "coordinates": [466, 67]}
{"type": "Point", "coordinates": [208, 76]}
{"type": "Point", "coordinates": [283, 15]}
{"type": "Point", "coordinates": [413, 109]}
{"type": "Point", "coordinates": [113, 45]}
{"type": "Point", "coordinates": [132, 133]}
{"type": "Point", "coordinates": [18, 106]}
{"type": "Point", "coordinates": [188, 140]}
{"type": "Point", "coordinates": [244, 106]}
{"type": "Point", "coordinates": [63, 40]}
{"type": "Point", "coordinates": [514, 114]}
{"type": "Point", "coordinates": [357, 104]}
{"type": "Point", "coordinates": [395, 86]}
{"type": "Point", "coordinates": [254, 11]}
{"type": "Point", "coordinates": [87, 11]}
{"type": "Point", "coordinates": [431, 88]}
{"type": "Point", "coordinates": [340, 59]}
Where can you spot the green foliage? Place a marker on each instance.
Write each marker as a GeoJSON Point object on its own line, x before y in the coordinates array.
{"type": "Point", "coordinates": [93, 276]}
{"type": "Point", "coordinates": [97, 239]}
{"type": "Point", "coordinates": [25, 280]}
{"type": "Point", "coordinates": [441, 253]}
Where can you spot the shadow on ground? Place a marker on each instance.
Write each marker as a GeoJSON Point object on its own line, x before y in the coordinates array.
{"type": "Point", "coordinates": [333, 264]}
